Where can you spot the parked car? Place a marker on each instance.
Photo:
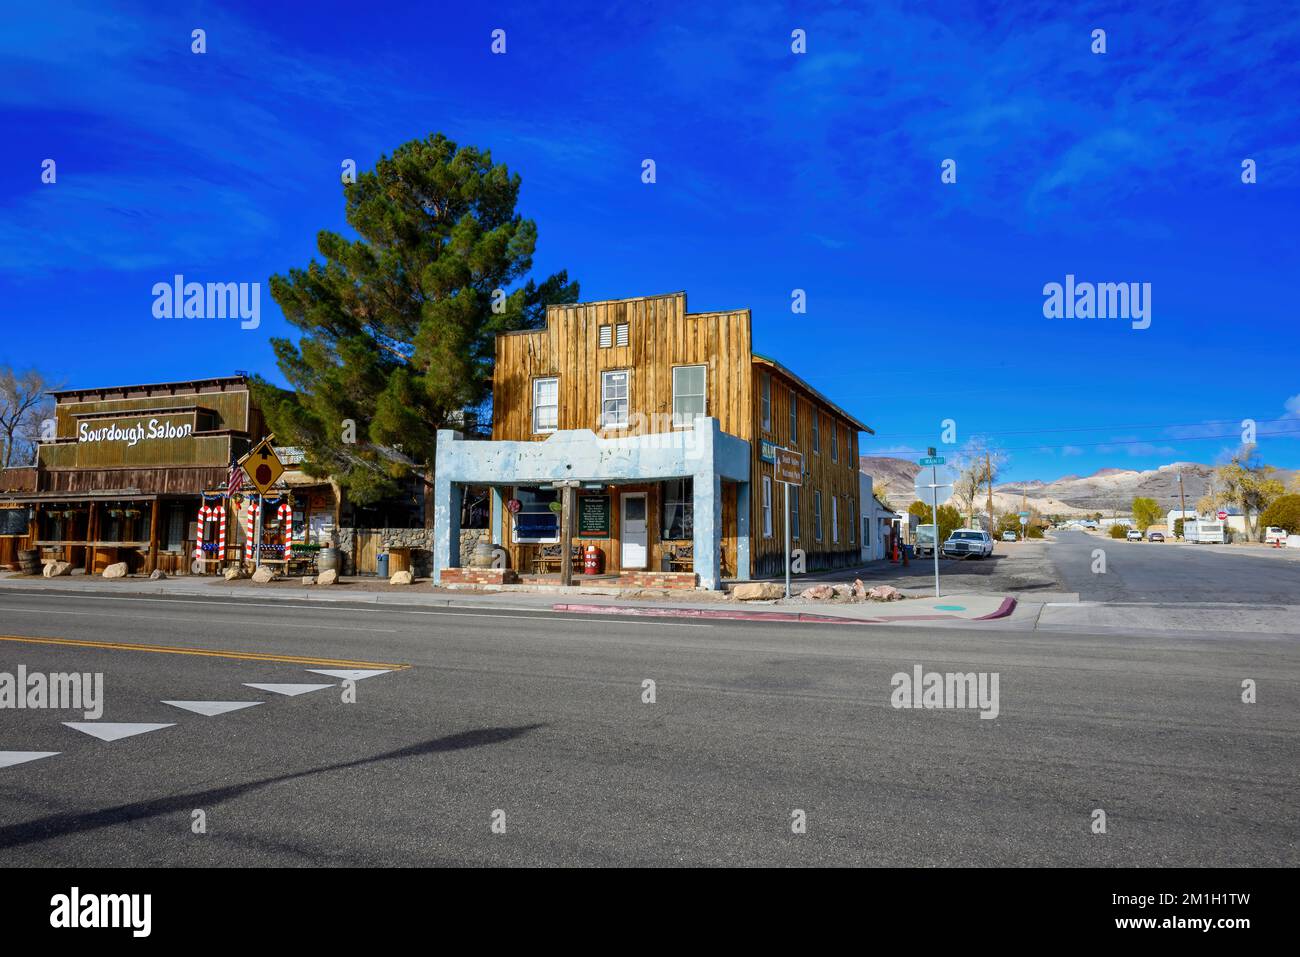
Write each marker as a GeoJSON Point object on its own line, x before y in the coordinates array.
{"type": "Point", "coordinates": [1134, 535]}
{"type": "Point", "coordinates": [1009, 536]}
{"type": "Point", "coordinates": [967, 542]}
{"type": "Point", "coordinates": [1155, 536]}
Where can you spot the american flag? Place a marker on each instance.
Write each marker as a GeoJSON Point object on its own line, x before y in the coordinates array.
{"type": "Point", "coordinates": [235, 480]}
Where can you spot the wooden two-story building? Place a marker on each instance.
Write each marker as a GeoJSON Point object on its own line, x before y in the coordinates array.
{"type": "Point", "coordinates": [666, 423]}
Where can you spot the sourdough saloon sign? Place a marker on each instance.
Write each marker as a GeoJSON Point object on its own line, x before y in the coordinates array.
{"type": "Point", "coordinates": [134, 432]}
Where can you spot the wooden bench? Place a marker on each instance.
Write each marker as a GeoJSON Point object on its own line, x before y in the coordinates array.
{"type": "Point", "coordinates": [550, 557]}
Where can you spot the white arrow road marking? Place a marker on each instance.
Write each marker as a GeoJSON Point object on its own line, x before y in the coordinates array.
{"type": "Point", "coordinates": [290, 690]}
{"type": "Point", "coordinates": [353, 674]}
{"type": "Point", "coordinates": [9, 758]}
{"type": "Point", "coordinates": [211, 708]}
{"type": "Point", "coordinates": [113, 730]}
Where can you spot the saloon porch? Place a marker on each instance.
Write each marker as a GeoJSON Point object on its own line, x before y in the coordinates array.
{"type": "Point", "coordinates": [660, 507]}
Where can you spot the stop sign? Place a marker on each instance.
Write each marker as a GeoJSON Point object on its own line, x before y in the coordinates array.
{"type": "Point", "coordinates": [1222, 516]}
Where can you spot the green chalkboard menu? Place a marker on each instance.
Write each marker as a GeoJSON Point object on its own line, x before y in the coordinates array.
{"type": "Point", "coordinates": [593, 516]}
{"type": "Point", "coordinates": [13, 521]}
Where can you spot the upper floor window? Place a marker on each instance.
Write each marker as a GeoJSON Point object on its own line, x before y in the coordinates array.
{"type": "Point", "coordinates": [765, 402]}
{"type": "Point", "coordinates": [688, 394]}
{"type": "Point", "coordinates": [546, 405]}
{"type": "Point", "coordinates": [817, 515]}
{"type": "Point", "coordinates": [817, 431]}
{"type": "Point", "coordinates": [835, 442]}
{"type": "Point", "coordinates": [613, 399]}
{"type": "Point", "coordinates": [835, 519]}
{"type": "Point", "coordinates": [794, 418]}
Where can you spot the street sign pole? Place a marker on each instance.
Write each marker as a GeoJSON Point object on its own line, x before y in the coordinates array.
{"type": "Point", "coordinates": [934, 511]}
{"type": "Point", "coordinates": [786, 485]}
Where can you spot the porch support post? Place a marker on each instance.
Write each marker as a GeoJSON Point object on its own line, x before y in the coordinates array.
{"type": "Point", "coordinates": [707, 500]}
{"type": "Point", "coordinates": [496, 528]}
{"type": "Point", "coordinates": [742, 531]}
{"type": "Point", "coordinates": [152, 562]}
{"type": "Point", "coordinates": [446, 525]}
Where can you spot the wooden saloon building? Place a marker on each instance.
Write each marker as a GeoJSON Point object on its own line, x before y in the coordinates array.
{"type": "Point", "coordinates": [126, 473]}
{"type": "Point", "coordinates": [663, 425]}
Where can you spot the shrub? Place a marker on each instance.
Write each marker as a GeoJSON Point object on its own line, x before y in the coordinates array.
{"type": "Point", "coordinates": [1119, 531]}
{"type": "Point", "coordinates": [1284, 513]}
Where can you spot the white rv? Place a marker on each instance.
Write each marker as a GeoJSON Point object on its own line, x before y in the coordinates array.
{"type": "Point", "coordinates": [1204, 531]}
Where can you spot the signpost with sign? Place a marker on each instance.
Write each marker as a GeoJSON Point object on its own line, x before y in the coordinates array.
{"type": "Point", "coordinates": [787, 466]}
{"type": "Point", "coordinates": [938, 490]}
{"type": "Point", "coordinates": [263, 468]}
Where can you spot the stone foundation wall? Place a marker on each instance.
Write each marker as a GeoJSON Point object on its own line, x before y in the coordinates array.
{"type": "Point", "coordinates": [640, 579]}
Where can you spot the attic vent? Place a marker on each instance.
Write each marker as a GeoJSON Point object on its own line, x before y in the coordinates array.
{"type": "Point", "coordinates": [620, 334]}
{"type": "Point", "coordinates": [605, 337]}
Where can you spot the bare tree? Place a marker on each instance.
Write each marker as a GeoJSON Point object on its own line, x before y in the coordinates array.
{"type": "Point", "coordinates": [978, 465]}
{"type": "Point", "coordinates": [23, 404]}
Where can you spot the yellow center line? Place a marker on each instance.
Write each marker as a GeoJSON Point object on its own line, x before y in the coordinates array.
{"type": "Point", "coordinates": [208, 653]}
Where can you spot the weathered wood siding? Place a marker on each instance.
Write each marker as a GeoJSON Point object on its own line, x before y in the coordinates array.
{"type": "Point", "coordinates": [661, 335]}
{"type": "Point", "coordinates": [838, 477]}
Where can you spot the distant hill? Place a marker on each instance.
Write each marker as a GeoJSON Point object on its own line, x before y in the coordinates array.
{"type": "Point", "coordinates": [1106, 490]}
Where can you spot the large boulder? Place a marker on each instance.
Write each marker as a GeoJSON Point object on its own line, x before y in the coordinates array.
{"type": "Point", "coordinates": [843, 592]}
{"type": "Point", "coordinates": [264, 574]}
{"type": "Point", "coordinates": [401, 578]}
{"type": "Point", "coordinates": [233, 573]}
{"type": "Point", "coordinates": [757, 591]}
{"type": "Point", "coordinates": [818, 593]}
{"type": "Point", "coordinates": [859, 590]}
{"type": "Point", "coordinates": [57, 569]}
{"type": "Point", "coordinates": [885, 593]}
{"type": "Point", "coordinates": [327, 577]}
{"type": "Point", "coordinates": [116, 570]}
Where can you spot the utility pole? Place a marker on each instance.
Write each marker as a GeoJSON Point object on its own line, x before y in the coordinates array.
{"type": "Point", "coordinates": [988, 474]}
{"type": "Point", "coordinates": [1182, 501]}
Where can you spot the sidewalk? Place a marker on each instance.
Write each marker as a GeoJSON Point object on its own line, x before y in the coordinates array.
{"type": "Point", "coordinates": [967, 607]}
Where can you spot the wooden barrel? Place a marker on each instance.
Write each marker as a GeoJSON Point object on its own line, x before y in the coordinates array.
{"type": "Point", "coordinates": [327, 559]}
{"type": "Point", "coordinates": [29, 561]}
{"type": "Point", "coordinates": [482, 557]}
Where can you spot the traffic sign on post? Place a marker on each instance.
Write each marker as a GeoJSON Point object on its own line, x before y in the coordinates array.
{"type": "Point", "coordinates": [263, 466]}
{"type": "Point", "coordinates": [933, 460]}
{"type": "Point", "coordinates": [1223, 516]}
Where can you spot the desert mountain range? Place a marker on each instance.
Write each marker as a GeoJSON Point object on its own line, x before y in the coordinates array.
{"type": "Point", "coordinates": [1108, 490]}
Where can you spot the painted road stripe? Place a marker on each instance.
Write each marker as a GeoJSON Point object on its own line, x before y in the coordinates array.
{"type": "Point", "coordinates": [113, 730]}
{"type": "Point", "coordinates": [355, 674]}
{"type": "Point", "coordinates": [396, 607]}
{"type": "Point", "coordinates": [9, 758]}
{"type": "Point", "coordinates": [244, 621]}
{"type": "Point", "coordinates": [212, 708]}
{"type": "Point", "coordinates": [203, 652]}
{"type": "Point", "coordinates": [288, 689]}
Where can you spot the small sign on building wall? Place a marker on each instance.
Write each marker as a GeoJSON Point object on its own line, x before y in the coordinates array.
{"type": "Point", "coordinates": [593, 516]}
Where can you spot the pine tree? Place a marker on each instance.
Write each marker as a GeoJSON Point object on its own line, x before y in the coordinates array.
{"type": "Point", "coordinates": [398, 324]}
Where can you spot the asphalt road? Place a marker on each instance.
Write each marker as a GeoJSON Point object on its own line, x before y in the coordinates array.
{"type": "Point", "coordinates": [541, 716]}
{"type": "Point", "coordinates": [1169, 572]}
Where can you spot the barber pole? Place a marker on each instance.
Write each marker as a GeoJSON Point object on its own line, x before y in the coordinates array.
{"type": "Point", "coordinates": [198, 539]}
{"type": "Point", "coordinates": [220, 509]}
{"type": "Point", "coordinates": [254, 505]}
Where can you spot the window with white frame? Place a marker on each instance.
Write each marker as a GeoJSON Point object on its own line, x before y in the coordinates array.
{"type": "Point", "coordinates": [835, 442]}
{"type": "Point", "coordinates": [794, 512]}
{"type": "Point", "coordinates": [817, 515]}
{"type": "Point", "coordinates": [794, 418]}
{"type": "Point", "coordinates": [688, 394]}
{"type": "Point", "coordinates": [613, 399]}
{"type": "Point", "coordinates": [765, 402]}
{"type": "Point", "coordinates": [546, 405]}
{"type": "Point", "coordinates": [767, 506]}
{"type": "Point", "coordinates": [817, 431]}
{"type": "Point", "coordinates": [835, 519]}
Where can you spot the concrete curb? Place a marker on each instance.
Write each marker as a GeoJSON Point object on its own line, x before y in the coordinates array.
{"type": "Point", "coordinates": [1005, 609]}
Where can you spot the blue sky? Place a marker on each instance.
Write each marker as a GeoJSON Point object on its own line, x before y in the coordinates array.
{"type": "Point", "coordinates": [775, 172]}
